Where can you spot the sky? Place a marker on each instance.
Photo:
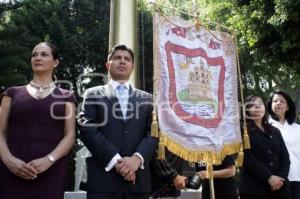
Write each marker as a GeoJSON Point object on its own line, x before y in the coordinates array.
{"type": "Point", "coordinates": [4, 1]}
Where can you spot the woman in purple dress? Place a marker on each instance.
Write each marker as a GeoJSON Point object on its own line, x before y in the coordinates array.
{"type": "Point", "coordinates": [37, 130]}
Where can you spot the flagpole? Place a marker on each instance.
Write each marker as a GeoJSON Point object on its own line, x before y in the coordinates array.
{"type": "Point", "coordinates": [212, 188]}
{"type": "Point", "coordinates": [210, 175]}
{"type": "Point", "coordinates": [123, 28]}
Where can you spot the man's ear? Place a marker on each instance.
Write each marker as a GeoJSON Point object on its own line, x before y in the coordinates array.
{"type": "Point", "coordinates": [107, 65]}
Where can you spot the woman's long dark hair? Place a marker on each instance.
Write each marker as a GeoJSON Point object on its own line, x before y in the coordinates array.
{"type": "Point", "coordinates": [249, 103]}
{"type": "Point", "coordinates": [290, 115]}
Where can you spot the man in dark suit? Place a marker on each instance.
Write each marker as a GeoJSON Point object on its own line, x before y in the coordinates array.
{"type": "Point", "coordinates": [115, 127]}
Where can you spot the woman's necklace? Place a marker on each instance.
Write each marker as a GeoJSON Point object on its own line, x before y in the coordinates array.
{"type": "Point", "coordinates": [40, 89]}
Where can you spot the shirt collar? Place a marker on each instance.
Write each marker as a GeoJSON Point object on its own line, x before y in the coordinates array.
{"type": "Point", "coordinates": [272, 121]}
{"type": "Point", "coordinates": [115, 84]}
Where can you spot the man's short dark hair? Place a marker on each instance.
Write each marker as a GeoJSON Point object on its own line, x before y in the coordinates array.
{"type": "Point", "coordinates": [120, 47]}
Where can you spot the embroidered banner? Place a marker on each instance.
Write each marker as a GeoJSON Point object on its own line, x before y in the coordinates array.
{"type": "Point", "coordinates": [196, 90]}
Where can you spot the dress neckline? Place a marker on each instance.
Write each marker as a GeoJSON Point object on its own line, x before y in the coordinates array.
{"type": "Point", "coordinates": [47, 96]}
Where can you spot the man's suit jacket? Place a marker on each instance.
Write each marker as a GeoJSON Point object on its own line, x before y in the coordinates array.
{"type": "Point", "coordinates": [105, 133]}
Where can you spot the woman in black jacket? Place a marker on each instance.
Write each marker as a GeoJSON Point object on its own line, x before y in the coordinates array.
{"type": "Point", "coordinates": [266, 164]}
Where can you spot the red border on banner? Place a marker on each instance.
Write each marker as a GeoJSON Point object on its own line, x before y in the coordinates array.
{"type": "Point", "coordinates": [216, 62]}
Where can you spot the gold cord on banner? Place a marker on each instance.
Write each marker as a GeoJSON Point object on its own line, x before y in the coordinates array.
{"type": "Point", "coordinates": [154, 124]}
{"type": "Point", "coordinates": [246, 139]}
{"type": "Point", "coordinates": [198, 24]}
{"type": "Point", "coordinates": [157, 8]}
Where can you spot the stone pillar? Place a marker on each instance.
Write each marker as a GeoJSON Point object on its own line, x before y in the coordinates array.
{"type": "Point", "coordinates": [123, 29]}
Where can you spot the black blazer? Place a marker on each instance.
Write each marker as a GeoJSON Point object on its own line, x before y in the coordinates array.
{"type": "Point", "coordinates": [268, 156]}
{"type": "Point", "coordinates": [162, 174]}
{"type": "Point", "coordinates": [105, 133]}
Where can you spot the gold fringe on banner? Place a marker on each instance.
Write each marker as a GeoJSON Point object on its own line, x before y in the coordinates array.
{"type": "Point", "coordinates": [197, 156]}
{"type": "Point", "coordinates": [154, 125]}
{"type": "Point", "coordinates": [161, 149]}
{"type": "Point", "coordinates": [246, 139]}
{"type": "Point", "coordinates": [240, 158]}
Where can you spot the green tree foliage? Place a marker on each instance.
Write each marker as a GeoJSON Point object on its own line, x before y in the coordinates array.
{"type": "Point", "coordinates": [13, 56]}
{"type": "Point", "coordinates": [267, 34]}
{"type": "Point", "coordinates": [13, 53]}
{"type": "Point", "coordinates": [79, 29]}
{"type": "Point", "coordinates": [145, 46]}
{"type": "Point", "coordinates": [268, 37]}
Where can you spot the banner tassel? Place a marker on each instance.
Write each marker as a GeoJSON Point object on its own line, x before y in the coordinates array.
{"type": "Point", "coordinates": [246, 139]}
{"type": "Point", "coordinates": [240, 158]}
{"type": "Point", "coordinates": [154, 125]}
{"type": "Point", "coordinates": [161, 150]}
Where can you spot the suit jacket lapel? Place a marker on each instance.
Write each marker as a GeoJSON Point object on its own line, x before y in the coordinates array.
{"type": "Point", "coordinates": [131, 106]}
{"type": "Point", "coordinates": [110, 94]}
